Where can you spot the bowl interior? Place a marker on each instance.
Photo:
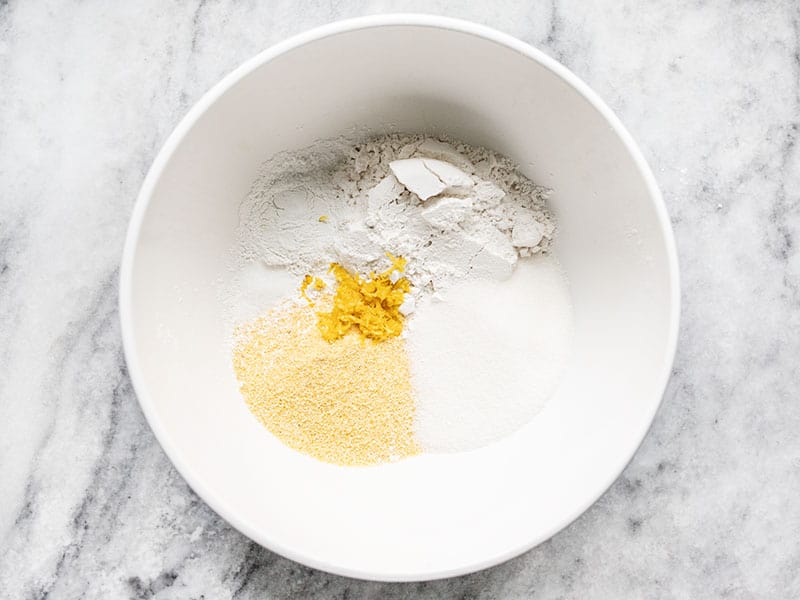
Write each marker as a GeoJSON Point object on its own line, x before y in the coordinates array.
{"type": "Point", "coordinates": [433, 515]}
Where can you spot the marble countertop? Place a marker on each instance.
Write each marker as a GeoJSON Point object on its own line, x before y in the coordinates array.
{"type": "Point", "coordinates": [91, 507]}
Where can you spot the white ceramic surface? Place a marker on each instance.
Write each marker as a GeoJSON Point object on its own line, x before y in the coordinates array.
{"type": "Point", "coordinates": [434, 515]}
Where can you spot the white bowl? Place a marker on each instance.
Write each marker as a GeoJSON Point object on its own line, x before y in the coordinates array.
{"type": "Point", "coordinates": [435, 515]}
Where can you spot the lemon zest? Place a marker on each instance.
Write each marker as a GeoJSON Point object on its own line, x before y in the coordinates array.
{"type": "Point", "coordinates": [315, 283]}
{"type": "Point", "coordinates": [371, 306]}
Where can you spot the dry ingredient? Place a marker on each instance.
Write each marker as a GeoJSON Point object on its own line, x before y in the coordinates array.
{"type": "Point", "coordinates": [455, 345]}
{"type": "Point", "coordinates": [508, 346]}
{"type": "Point", "coordinates": [347, 402]}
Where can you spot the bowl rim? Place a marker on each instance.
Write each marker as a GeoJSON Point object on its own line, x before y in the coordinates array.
{"type": "Point", "coordinates": [185, 125]}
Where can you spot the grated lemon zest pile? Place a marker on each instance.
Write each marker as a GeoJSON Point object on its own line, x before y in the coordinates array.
{"type": "Point", "coordinates": [370, 306]}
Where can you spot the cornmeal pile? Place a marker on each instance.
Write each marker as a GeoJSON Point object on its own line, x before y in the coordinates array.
{"type": "Point", "coordinates": [334, 383]}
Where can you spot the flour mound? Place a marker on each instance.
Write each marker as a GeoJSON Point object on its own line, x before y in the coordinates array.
{"type": "Point", "coordinates": [454, 211]}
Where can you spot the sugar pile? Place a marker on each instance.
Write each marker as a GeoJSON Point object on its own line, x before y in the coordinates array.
{"type": "Point", "coordinates": [488, 355]}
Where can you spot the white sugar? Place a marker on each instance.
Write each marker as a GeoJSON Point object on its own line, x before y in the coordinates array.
{"type": "Point", "coordinates": [487, 357]}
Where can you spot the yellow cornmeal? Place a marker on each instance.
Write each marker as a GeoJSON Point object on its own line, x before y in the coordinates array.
{"type": "Point", "coordinates": [347, 402]}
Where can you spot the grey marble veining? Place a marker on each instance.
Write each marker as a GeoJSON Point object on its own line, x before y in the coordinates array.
{"type": "Point", "coordinates": [91, 507]}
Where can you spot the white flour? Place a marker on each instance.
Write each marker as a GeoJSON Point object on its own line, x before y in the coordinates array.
{"type": "Point", "coordinates": [340, 202]}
